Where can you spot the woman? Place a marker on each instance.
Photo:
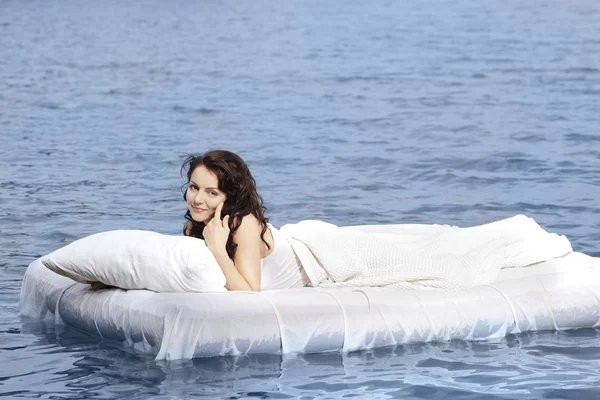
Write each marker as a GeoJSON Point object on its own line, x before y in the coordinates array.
{"type": "Point", "coordinates": [226, 211]}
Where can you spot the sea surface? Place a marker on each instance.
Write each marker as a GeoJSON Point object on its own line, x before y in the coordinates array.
{"type": "Point", "coordinates": [354, 112]}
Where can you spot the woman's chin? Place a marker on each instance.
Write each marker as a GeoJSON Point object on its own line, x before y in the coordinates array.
{"type": "Point", "coordinates": [199, 218]}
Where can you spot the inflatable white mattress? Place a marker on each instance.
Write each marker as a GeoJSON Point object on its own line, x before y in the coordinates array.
{"type": "Point", "coordinates": [563, 293]}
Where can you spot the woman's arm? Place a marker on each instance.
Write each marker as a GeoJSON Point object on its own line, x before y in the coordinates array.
{"type": "Point", "coordinates": [247, 254]}
{"type": "Point", "coordinates": [242, 273]}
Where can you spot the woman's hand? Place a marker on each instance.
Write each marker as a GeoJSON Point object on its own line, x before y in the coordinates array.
{"type": "Point", "coordinates": [216, 232]}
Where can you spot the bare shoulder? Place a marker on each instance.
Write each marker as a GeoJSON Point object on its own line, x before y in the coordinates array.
{"type": "Point", "coordinates": [250, 225]}
{"type": "Point", "coordinates": [249, 234]}
{"type": "Point", "coordinates": [250, 229]}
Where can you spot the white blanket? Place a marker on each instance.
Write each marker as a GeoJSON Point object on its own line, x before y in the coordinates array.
{"type": "Point", "coordinates": [447, 258]}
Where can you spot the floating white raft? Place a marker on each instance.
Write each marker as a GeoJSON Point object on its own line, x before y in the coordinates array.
{"type": "Point", "coordinates": [563, 293]}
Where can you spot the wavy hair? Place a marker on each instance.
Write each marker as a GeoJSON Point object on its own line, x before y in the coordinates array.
{"type": "Point", "coordinates": [236, 181]}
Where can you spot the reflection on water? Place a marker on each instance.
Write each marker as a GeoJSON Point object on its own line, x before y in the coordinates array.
{"type": "Point", "coordinates": [549, 364]}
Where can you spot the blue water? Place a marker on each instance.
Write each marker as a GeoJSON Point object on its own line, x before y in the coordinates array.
{"type": "Point", "coordinates": [354, 112]}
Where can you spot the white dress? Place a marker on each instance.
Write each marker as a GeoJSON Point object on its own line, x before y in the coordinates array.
{"type": "Point", "coordinates": [281, 269]}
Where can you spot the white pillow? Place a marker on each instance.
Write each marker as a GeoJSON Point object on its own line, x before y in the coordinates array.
{"type": "Point", "coordinates": [134, 259]}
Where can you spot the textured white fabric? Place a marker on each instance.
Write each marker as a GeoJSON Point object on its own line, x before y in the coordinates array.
{"type": "Point", "coordinates": [134, 259]}
{"type": "Point", "coordinates": [445, 258]}
{"type": "Point", "coordinates": [281, 269]}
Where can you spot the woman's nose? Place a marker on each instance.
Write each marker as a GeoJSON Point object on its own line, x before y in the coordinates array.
{"type": "Point", "coordinates": [199, 198]}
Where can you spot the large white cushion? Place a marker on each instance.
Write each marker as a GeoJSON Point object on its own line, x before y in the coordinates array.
{"type": "Point", "coordinates": [134, 259]}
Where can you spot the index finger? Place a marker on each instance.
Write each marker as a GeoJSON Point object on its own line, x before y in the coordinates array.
{"type": "Point", "coordinates": [218, 212]}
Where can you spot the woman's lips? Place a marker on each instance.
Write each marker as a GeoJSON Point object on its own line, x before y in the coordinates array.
{"type": "Point", "coordinates": [199, 209]}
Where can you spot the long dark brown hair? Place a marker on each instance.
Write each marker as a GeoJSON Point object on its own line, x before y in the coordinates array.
{"type": "Point", "coordinates": [236, 181]}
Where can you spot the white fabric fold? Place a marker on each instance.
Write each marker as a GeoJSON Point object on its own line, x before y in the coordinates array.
{"type": "Point", "coordinates": [448, 258]}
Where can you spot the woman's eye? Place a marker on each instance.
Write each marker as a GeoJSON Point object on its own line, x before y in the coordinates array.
{"type": "Point", "coordinates": [213, 193]}
{"type": "Point", "coordinates": [194, 187]}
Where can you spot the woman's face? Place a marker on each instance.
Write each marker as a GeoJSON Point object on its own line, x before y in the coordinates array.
{"type": "Point", "coordinates": [203, 194]}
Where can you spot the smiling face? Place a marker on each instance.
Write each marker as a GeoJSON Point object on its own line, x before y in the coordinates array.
{"type": "Point", "coordinates": [203, 194]}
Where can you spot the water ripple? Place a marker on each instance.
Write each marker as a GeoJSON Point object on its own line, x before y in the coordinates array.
{"type": "Point", "coordinates": [352, 112]}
